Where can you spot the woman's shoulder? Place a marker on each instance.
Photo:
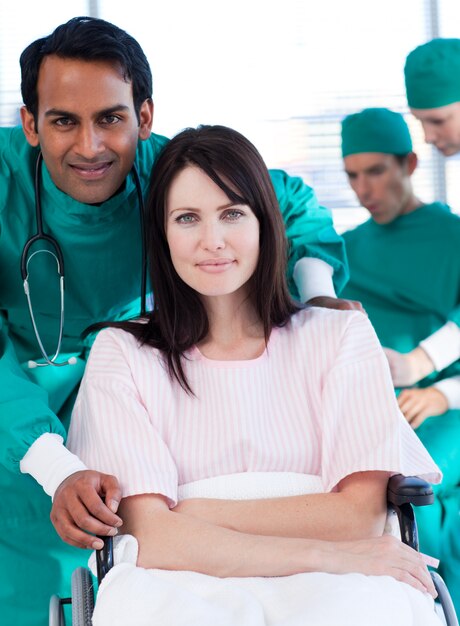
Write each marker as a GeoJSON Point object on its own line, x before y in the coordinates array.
{"type": "Point", "coordinates": [111, 335]}
{"type": "Point", "coordinates": [312, 318]}
{"type": "Point", "coordinates": [113, 344]}
{"type": "Point", "coordinates": [330, 333]}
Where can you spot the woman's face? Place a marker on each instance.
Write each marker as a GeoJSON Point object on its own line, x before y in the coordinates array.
{"type": "Point", "coordinates": [214, 243]}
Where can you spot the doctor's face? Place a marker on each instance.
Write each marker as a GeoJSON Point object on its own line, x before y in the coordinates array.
{"type": "Point", "coordinates": [441, 127]}
{"type": "Point", "coordinates": [381, 183]}
{"type": "Point", "coordinates": [86, 127]}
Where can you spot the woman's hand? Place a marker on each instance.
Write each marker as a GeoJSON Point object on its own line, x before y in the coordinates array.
{"type": "Point", "coordinates": [384, 556]}
{"type": "Point", "coordinates": [418, 404]}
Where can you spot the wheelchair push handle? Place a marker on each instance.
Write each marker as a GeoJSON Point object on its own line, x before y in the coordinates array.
{"type": "Point", "coordinates": [104, 558]}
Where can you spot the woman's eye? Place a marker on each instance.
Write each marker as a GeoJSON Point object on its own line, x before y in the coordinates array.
{"type": "Point", "coordinates": [185, 219]}
{"type": "Point", "coordinates": [233, 215]}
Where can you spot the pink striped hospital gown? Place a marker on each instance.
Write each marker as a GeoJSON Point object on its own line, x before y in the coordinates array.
{"type": "Point", "coordinates": [318, 401]}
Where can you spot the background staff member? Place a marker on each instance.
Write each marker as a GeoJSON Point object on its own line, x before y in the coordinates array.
{"type": "Point", "coordinates": [432, 75]}
{"type": "Point", "coordinates": [405, 268]}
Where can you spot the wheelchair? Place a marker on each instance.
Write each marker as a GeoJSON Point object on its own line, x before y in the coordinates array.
{"type": "Point", "coordinates": [403, 493]}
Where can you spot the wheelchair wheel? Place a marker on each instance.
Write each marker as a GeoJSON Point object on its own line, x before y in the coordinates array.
{"type": "Point", "coordinates": [82, 597]}
{"type": "Point", "coordinates": [56, 613]}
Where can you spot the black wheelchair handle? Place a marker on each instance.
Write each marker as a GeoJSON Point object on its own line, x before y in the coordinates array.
{"type": "Point", "coordinates": [104, 558]}
{"type": "Point", "coordinates": [409, 490]}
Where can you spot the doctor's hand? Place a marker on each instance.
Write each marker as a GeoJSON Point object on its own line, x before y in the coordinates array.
{"type": "Point", "coordinates": [407, 369]}
{"type": "Point", "coordinates": [418, 404]}
{"type": "Point", "coordinates": [337, 303]}
{"type": "Point", "coordinates": [78, 508]}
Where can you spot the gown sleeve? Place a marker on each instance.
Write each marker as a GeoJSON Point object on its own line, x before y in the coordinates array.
{"type": "Point", "coordinates": [362, 426]}
{"type": "Point", "coordinates": [111, 430]}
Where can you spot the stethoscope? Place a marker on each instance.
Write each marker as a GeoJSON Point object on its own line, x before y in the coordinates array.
{"type": "Point", "coordinates": [56, 252]}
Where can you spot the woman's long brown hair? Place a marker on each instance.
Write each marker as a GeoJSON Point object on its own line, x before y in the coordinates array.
{"type": "Point", "coordinates": [179, 320]}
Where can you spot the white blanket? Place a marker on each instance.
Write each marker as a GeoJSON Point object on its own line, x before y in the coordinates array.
{"type": "Point", "coordinates": [133, 596]}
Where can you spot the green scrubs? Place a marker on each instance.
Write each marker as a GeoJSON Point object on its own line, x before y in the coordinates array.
{"type": "Point", "coordinates": [407, 275]}
{"type": "Point", "coordinates": [102, 256]}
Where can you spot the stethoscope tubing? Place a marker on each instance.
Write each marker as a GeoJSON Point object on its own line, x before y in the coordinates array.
{"type": "Point", "coordinates": [56, 252]}
{"type": "Point", "coordinates": [40, 234]}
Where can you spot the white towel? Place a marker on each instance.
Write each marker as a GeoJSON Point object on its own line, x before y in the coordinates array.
{"type": "Point", "coordinates": [134, 596]}
{"type": "Point", "coordinates": [252, 486]}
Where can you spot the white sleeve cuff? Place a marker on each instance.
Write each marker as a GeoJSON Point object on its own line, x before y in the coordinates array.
{"type": "Point", "coordinates": [49, 462]}
{"type": "Point", "coordinates": [450, 387]}
{"type": "Point", "coordinates": [443, 346]}
{"type": "Point", "coordinates": [313, 277]}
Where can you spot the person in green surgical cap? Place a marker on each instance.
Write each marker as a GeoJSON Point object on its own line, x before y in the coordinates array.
{"type": "Point", "coordinates": [87, 91]}
{"type": "Point", "coordinates": [432, 76]}
{"type": "Point", "coordinates": [405, 269]}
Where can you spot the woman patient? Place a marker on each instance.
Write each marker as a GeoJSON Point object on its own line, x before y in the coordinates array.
{"type": "Point", "coordinates": [253, 438]}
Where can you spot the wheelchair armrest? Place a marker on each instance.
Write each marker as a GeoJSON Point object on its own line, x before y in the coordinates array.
{"type": "Point", "coordinates": [409, 490]}
{"type": "Point", "coordinates": [403, 492]}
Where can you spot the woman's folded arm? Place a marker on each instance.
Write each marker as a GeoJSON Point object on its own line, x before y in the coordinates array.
{"type": "Point", "coordinates": [174, 541]}
{"type": "Point", "coordinates": [356, 511]}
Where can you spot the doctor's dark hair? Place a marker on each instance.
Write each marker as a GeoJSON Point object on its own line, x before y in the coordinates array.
{"type": "Point", "coordinates": [87, 39]}
{"type": "Point", "coordinates": [179, 319]}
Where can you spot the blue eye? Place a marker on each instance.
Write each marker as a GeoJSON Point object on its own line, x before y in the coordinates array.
{"type": "Point", "coordinates": [187, 218]}
{"type": "Point", "coordinates": [233, 215]}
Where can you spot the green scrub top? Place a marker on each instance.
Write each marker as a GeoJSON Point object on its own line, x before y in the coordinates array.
{"type": "Point", "coordinates": [407, 275]}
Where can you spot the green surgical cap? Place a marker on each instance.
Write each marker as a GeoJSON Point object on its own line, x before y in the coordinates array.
{"type": "Point", "coordinates": [432, 74]}
{"type": "Point", "coordinates": [375, 130]}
